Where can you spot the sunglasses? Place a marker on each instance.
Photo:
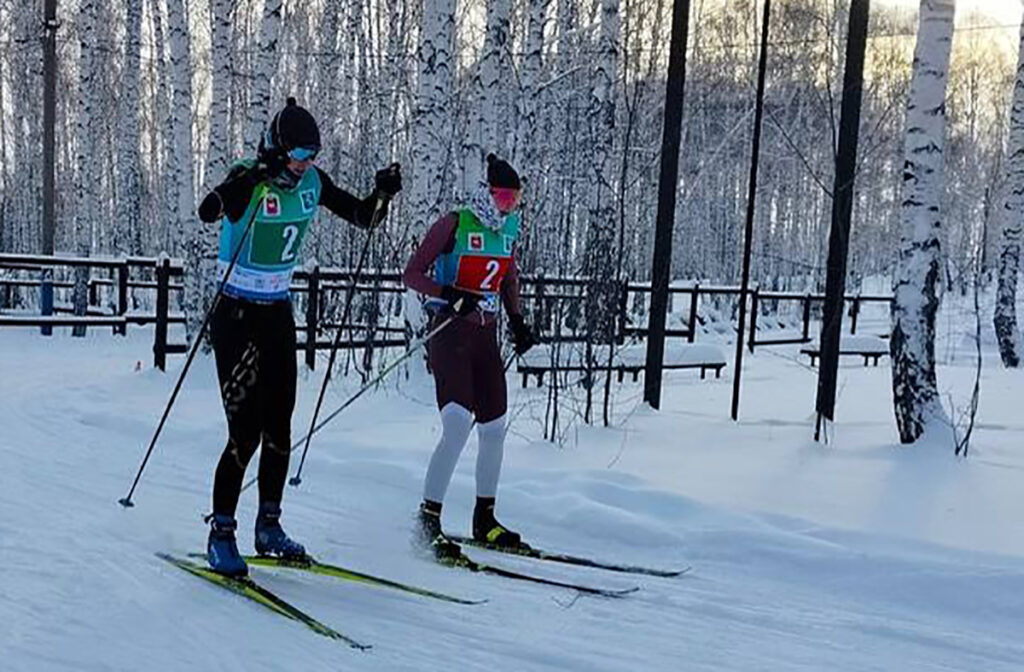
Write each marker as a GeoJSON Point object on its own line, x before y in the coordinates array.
{"type": "Point", "coordinates": [303, 153]}
{"type": "Point", "coordinates": [506, 198]}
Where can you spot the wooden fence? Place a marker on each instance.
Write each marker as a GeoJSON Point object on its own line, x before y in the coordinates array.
{"type": "Point", "coordinates": [317, 289]}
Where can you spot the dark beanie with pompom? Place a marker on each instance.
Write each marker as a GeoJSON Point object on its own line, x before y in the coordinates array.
{"type": "Point", "coordinates": [501, 174]}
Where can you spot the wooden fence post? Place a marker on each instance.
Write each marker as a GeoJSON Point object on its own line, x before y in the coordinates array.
{"type": "Point", "coordinates": [753, 318]}
{"type": "Point", "coordinates": [163, 272]}
{"type": "Point", "coordinates": [620, 338]}
{"type": "Point", "coordinates": [693, 313]}
{"type": "Point", "coordinates": [543, 319]}
{"type": "Point", "coordinates": [122, 296]}
{"type": "Point", "coordinates": [807, 317]}
{"type": "Point", "coordinates": [312, 315]}
{"type": "Point", "coordinates": [854, 312]}
{"type": "Point", "coordinates": [46, 299]}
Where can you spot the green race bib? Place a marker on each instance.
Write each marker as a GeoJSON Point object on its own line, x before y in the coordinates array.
{"type": "Point", "coordinates": [277, 243]}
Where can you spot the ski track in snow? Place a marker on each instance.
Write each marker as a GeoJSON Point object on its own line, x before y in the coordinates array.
{"type": "Point", "coordinates": [853, 556]}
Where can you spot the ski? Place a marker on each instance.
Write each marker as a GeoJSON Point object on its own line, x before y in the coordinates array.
{"type": "Point", "coordinates": [528, 551]}
{"type": "Point", "coordinates": [251, 590]}
{"type": "Point", "coordinates": [324, 569]}
{"type": "Point", "coordinates": [465, 562]}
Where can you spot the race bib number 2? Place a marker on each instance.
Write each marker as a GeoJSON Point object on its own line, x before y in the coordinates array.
{"type": "Point", "coordinates": [276, 244]}
{"type": "Point", "coordinates": [483, 274]}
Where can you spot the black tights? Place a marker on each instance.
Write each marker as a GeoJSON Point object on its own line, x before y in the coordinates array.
{"type": "Point", "coordinates": [254, 345]}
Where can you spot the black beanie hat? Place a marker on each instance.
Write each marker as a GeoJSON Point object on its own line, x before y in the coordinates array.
{"type": "Point", "coordinates": [292, 127]}
{"type": "Point", "coordinates": [501, 174]}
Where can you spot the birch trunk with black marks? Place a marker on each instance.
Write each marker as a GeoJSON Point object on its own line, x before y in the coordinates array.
{"type": "Point", "coordinates": [261, 107]}
{"type": "Point", "coordinates": [1005, 318]}
{"type": "Point", "coordinates": [491, 111]}
{"type": "Point", "coordinates": [917, 285]}
{"type": "Point", "coordinates": [85, 199]}
{"type": "Point", "coordinates": [431, 143]}
{"type": "Point", "coordinates": [129, 158]}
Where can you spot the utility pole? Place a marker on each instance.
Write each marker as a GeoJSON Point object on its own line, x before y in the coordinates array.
{"type": "Point", "coordinates": [668, 180]}
{"type": "Point", "coordinates": [49, 144]}
{"type": "Point", "coordinates": [842, 209]}
{"type": "Point", "coordinates": [755, 158]}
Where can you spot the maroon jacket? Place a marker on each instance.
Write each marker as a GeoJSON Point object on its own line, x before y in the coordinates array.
{"type": "Point", "coordinates": [440, 239]}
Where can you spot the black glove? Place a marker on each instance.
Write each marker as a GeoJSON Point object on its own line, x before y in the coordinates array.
{"type": "Point", "coordinates": [271, 162]}
{"type": "Point", "coordinates": [260, 172]}
{"type": "Point", "coordinates": [388, 181]}
{"type": "Point", "coordinates": [461, 302]}
{"type": "Point", "coordinates": [522, 336]}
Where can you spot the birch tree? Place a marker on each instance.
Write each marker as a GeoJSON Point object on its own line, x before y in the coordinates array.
{"type": "Point", "coordinates": [490, 110]}
{"type": "Point", "coordinates": [129, 153]}
{"type": "Point", "coordinates": [85, 199]}
{"type": "Point", "coordinates": [259, 98]}
{"type": "Point", "coordinates": [531, 102]}
{"type": "Point", "coordinates": [220, 62]}
{"type": "Point", "coordinates": [602, 292]}
{"type": "Point", "coordinates": [201, 250]}
{"type": "Point", "coordinates": [25, 102]}
{"type": "Point", "coordinates": [430, 149]}
{"type": "Point", "coordinates": [5, 237]}
{"type": "Point", "coordinates": [917, 286]}
{"type": "Point", "coordinates": [161, 138]}
{"type": "Point", "coordinates": [1005, 318]}
{"type": "Point", "coordinates": [179, 169]}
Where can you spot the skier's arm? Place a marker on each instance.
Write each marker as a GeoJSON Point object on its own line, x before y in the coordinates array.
{"type": "Point", "coordinates": [231, 197]}
{"type": "Point", "coordinates": [510, 289]}
{"type": "Point", "coordinates": [364, 213]}
{"type": "Point", "coordinates": [439, 239]}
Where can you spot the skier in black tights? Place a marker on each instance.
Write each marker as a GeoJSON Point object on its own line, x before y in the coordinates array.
{"type": "Point", "coordinates": [253, 329]}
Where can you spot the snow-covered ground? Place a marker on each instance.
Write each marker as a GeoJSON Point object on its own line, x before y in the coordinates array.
{"type": "Point", "coordinates": [856, 555]}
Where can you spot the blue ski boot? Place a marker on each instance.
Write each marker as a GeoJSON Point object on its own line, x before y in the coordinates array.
{"type": "Point", "coordinates": [271, 539]}
{"type": "Point", "coordinates": [221, 549]}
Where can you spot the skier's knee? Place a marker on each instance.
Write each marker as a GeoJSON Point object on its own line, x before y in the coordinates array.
{"type": "Point", "coordinates": [277, 443]}
{"type": "Point", "coordinates": [242, 449]}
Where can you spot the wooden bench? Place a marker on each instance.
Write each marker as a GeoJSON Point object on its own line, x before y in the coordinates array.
{"type": "Point", "coordinates": [620, 370]}
{"type": "Point", "coordinates": [631, 361]}
{"type": "Point", "coordinates": [871, 348]}
{"type": "Point", "coordinates": [9, 320]}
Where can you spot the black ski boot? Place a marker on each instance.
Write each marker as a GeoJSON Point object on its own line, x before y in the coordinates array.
{"type": "Point", "coordinates": [431, 537]}
{"type": "Point", "coordinates": [487, 529]}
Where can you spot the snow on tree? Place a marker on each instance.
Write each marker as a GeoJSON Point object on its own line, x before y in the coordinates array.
{"type": "Point", "coordinates": [916, 288]}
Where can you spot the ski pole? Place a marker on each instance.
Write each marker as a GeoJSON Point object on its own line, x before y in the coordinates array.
{"type": "Point", "coordinates": [126, 501]}
{"type": "Point", "coordinates": [413, 348]}
{"type": "Point", "coordinates": [295, 480]}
